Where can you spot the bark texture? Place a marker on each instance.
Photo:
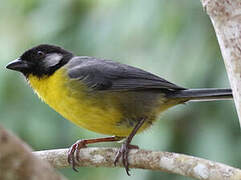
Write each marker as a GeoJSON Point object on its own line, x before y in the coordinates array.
{"type": "Point", "coordinates": [162, 161]}
{"type": "Point", "coordinates": [226, 18]}
{"type": "Point", "coordinates": [18, 163]}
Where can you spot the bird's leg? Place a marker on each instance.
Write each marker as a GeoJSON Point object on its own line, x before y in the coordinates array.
{"type": "Point", "coordinates": [75, 148]}
{"type": "Point", "coordinates": [126, 146]}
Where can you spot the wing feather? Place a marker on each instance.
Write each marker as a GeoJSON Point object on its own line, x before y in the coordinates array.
{"type": "Point", "coordinates": [100, 74]}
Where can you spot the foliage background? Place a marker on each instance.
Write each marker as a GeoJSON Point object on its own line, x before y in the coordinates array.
{"type": "Point", "coordinates": [173, 39]}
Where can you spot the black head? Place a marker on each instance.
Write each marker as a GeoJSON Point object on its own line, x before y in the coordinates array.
{"type": "Point", "coordinates": [41, 60]}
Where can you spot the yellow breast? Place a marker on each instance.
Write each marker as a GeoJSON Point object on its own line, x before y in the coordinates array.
{"type": "Point", "coordinates": [97, 114]}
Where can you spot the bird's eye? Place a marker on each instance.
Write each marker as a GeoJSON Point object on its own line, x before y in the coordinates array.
{"type": "Point", "coordinates": [40, 54]}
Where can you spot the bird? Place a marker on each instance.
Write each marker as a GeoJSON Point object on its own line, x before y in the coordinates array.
{"type": "Point", "coordinates": [102, 95]}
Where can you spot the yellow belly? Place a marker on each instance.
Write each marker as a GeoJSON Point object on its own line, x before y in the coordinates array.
{"type": "Point", "coordinates": [96, 114]}
{"type": "Point", "coordinates": [98, 111]}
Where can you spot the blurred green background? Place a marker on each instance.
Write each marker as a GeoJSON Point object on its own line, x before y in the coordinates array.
{"type": "Point", "coordinates": [173, 39]}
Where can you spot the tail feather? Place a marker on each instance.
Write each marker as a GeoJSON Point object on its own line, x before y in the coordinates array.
{"type": "Point", "coordinates": [209, 94]}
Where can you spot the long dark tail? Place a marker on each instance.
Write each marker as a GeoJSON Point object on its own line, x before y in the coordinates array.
{"type": "Point", "coordinates": [202, 94]}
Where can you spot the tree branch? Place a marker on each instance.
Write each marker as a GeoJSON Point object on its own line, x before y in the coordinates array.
{"type": "Point", "coordinates": [18, 163]}
{"type": "Point", "coordinates": [226, 18]}
{"type": "Point", "coordinates": [162, 161]}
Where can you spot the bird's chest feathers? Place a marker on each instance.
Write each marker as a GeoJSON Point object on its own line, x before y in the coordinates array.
{"type": "Point", "coordinates": [74, 104]}
{"type": "Point", "coordinates": [49, 89]}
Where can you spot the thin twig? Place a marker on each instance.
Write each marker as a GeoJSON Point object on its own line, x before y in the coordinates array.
{"type": "Point", "coordinates": [162, 161]}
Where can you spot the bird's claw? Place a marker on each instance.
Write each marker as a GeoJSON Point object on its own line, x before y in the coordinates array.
{"type": "Point", "coordinates": [73, 153]}
{"type": "Point", "coordinates": [123, 152]}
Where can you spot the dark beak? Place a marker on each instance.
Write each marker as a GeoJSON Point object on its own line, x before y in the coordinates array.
{"type": "Point", "coordinates": [18, 65]}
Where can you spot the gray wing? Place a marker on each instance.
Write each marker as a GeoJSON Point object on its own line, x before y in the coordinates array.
{"type": "Point", "coordinates": [101, 74]}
